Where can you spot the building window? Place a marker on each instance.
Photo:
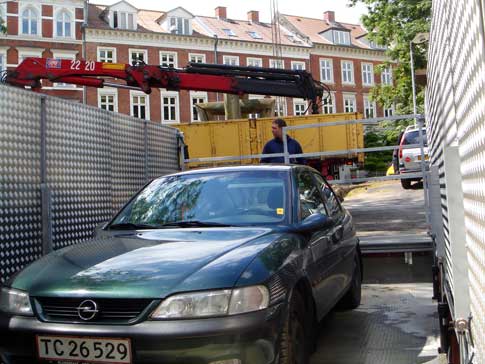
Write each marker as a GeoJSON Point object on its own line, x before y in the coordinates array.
{"type": "Point", "coordinates": [349, 103]}
{"type": "Point", "coordinates": [29, 54]}
{"type": "Point", "coordinates": [348, 72]}
{"type": "Point", "coordinates": [108, 100]}
{"type": "Point", "coordinates": [368, 74]}
{"type": "Point", "coordinates": [386, 76]}
{"type": "Point", "coordinates": [123, 20]}
{"type": "Point", "coordinates": [138, 55]}
{"type": "Point", "coordinates": [71, 56]}
{"type": "Point", "coordinates": [299, 107]}
{"type": "Point", "coordinates": [229, 32]}
{"type": "Point", "coordinates": [197, 98]}
{"type": "Point", "coordinates": [389, 111]}
{"type": "Point", "coordinates": [255, 35]}
{"type": "Point", "coordinates": [180, 26]}
{"type": "Point", "coordinates": [369, 108]}
{"type": "Point", "coordinates": [255, 62]}
{"type": "Point", "coordinates": [277, 63]}
{"type": "Point", "coordinates": [168, 59]}
{"type": "Point", "coordinates": [3, 17]}
{"type": "Point", "coordinates": [140, 107]}
{"type": "Point", "coordinates": [3, 61]}
{"type": "Point", "coordinates": [230, 60]}
{"type": "Point", "coordinates": [280, 107]}
{"type": "Point", "coordinates": [30, 21]}
{"type": "Point", "coordinates": [298, 66]}
{"type": "Point", "coordinates": [328, 104]}
{"type": "Point", "coordinates": [326, 70]}
{"type": "Point", "coordinates": [64, 24]}
{"type": "Point", "coordinates": [341, 37]}
{"type": "Point", "coordinates": [170, 107]}
{"type": "Point", "coordinates": [107, 55]}
{"type": "Point", "coordinates": [197, 58]}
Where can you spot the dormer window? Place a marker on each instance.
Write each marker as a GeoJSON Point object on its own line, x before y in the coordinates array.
{"type": "Point", "coordinates": [179, 26]}
{"type": "Point", "coordinates": [255, 35]}
{"type": "Point", "coordinates": [229, 32]}
{"type": "Point", "coordinates": [341, 37]}
{"type": "Point", "coordinates": [123, 20]}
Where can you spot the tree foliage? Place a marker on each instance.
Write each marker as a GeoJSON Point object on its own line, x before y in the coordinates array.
{"type": "Point", "coordinates": [395, 23]}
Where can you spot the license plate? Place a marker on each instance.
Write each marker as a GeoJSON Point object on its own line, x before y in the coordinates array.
{"type": "Point", "coordinates": [84, 350]}
{"type": "Point", "coordinates": [426, 157]}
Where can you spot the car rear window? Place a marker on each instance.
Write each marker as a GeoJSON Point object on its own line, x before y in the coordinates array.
{"type": "Point", "coordinates": [412, 137]}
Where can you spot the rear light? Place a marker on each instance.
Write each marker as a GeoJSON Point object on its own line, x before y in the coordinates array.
{"type": "Point", "coordinates": [400, 147]}
{"type": "Point", "coordinates": [407, 160]}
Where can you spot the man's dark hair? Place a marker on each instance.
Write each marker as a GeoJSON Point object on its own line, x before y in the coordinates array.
{"type": "Point", "coordinates": [280, 122]}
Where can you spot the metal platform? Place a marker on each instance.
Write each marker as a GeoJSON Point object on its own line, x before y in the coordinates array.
{"type": "Point", "coordinates": [396, 244]}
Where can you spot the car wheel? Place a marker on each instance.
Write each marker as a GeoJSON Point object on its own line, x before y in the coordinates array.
{"type": "Point", "coordinates": [406, 184]}
{"type": "Point", "coordinates": [293, 341]}
{"type": "Point", "coordinates": [353, 296]}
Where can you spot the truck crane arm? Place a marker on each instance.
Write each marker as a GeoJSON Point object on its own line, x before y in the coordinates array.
{"type": "Point", "coordinates": [196, 76]}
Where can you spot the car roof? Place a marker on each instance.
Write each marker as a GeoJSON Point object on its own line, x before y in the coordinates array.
{"type": "Point", "coordinates": [412, 128]}
{"type": "Point", "coordinates": [264, 167]}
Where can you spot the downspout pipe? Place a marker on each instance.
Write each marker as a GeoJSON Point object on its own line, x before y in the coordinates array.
{"type": "Point", "coordinates": [84, 51]}
{"type": "Point", "coordinates": [216, 57]}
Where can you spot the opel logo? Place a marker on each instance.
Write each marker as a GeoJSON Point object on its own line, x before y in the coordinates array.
{"type": "Point", "coordinates": [87, 310]}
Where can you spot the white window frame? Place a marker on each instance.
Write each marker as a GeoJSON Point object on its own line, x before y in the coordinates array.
{"type": "Point", "coordinates": [367, 73]}
{"type": "Point", "coordinates": [254, 34]}
{"type": "Point", "coordinates": [386, 76]}
{"type": "Point", "coordinates": [109, 92]}
{"type": "Point", "coordinates": [331, 80]}
{"type": "Point", "coordinates": [175, 57]}
{"type": "Point", "coordinates": [385, 111]}
{"type": "Point", "coordinates": [137, 50]}
{"type": "Point", "coordinates": [38, 9]}
{"type": "Point", "coordinates": [3, 12]}
{"type": "Point", "coordinates": [147, 103]}
{"type": "Point", "coordinates": [354, 102]}
{"type": "Point", "coordinates": [341, 37]}
{"type": "Point", "coordinates": [229, 58]}
{"type": "Point", "coordinates": [72, 14]}
{"type": "Point", "coordinates": [177, 19]}
{"type": "Point", "coordinates": [298, 63]}
{"type": "Point", "coordinates": [199, 95]}
{"type": "Point", "coordinates": [333, 105]}
{"type": "Point", "coordinates": [229, 33]}
{"type": "Point", "coordinates": [274, 62]}
{"type": "Point", "coordinates": [175, 94]}
{"type": "Point", "coordinates": [281, 102]}
{"type": "Point", "coordinates": [3, 60]}
{"type": "Point", "coordinates": [352, 78]}
{"type": "Point", "coordinates": [126, 15]}
{"type": "Point", "coordinates": [253, 59]}
{"type": "Point", "coordinates": [106, 49]}
{"type": "Point", "coordinates": [369, 105]}
{"type": "Point", "coordinates": [300, 102]}
{"type": "Point", "coordinates": [202, 56]}
{"type": "Point", "coordinates": [64, 54]}
{"type": "Point", "coordinates": [29, 52]}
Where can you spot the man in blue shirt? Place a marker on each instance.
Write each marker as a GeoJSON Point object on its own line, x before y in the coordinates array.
{"type": "Point", "coordinates": [276, 145]}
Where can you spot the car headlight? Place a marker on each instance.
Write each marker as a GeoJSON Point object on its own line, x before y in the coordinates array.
{"type": "Point", "coordinates": [15, 302]}
{"type": "Point", "coordinates": [213, 303]}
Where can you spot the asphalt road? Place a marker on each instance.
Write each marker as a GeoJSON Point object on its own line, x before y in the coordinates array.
{"type": "Point", "coordinates": [385, 208]}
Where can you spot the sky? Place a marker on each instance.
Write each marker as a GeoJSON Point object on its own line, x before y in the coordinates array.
{"type": "Point", "coordinates": [237, 9]}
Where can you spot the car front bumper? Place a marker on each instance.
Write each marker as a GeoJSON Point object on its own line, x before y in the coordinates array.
{"type": "Point", "coordinates": [250, 338]}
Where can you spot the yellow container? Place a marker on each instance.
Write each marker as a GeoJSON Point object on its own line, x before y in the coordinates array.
{"type": "Point", "coordinates": [244, 137]}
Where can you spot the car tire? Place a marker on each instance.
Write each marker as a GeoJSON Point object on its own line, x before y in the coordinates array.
{"type": "Point", "coordinates": [406, 184]}
{"type": "Point", "coordinates": [352, 298]}
{"type": "Point", "coordinates": [293, 348]}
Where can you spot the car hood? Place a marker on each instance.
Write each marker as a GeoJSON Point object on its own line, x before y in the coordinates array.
{"type": "Point", "coordinates": [147, 264]}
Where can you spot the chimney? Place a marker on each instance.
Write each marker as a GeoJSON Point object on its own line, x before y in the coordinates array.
{"type": "Point", "coordinates": [253, 16]}
{"type": "Point", "coordinates": [221, 12]}
{"type": "Point", "coordinates": [329, 16]}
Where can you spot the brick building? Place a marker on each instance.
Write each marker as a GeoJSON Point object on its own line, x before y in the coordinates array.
{"type": "Point", "coordinates": [336, 53]}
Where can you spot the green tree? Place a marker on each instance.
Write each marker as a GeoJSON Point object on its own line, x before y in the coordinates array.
{"type": "Point", "coordinates": [394, 24]}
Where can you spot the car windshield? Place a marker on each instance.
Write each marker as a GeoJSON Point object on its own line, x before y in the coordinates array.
{"type": "Point", "coordinates": [412, 137]}
{"type": "Point", "coordinates": [211, 199]}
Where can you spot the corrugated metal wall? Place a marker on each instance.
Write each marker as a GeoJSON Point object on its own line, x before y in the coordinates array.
{"type": "Point", "coordinates": [455, 103]}
{"type": "Point", "coordinates": [95, 160]}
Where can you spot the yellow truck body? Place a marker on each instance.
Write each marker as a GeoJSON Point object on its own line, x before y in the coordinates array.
{"type": "Point", "coordinates": [246, 137]}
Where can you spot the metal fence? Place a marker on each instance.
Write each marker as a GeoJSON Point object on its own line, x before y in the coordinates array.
{"type": "Point", "coordinates": [66, 167]}
{"type": "Point", "coordinates": [456, 114]}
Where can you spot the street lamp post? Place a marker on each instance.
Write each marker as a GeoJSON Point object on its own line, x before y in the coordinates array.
{"type": "Point", "coordinates": [418, 39]}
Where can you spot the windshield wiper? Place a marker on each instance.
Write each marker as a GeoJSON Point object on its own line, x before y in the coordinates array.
{"type": "Point", "coordinates": [194, 223]}
{"type": "Point", "coordinates": [132, 226]}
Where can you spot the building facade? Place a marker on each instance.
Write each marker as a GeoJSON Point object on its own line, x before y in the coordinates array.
{"type": "Point", "coordinates": [336, 53]}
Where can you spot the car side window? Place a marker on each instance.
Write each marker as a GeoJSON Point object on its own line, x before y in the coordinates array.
{"type": "Point", "coordinates": [333, 205]}
{"type": "Point", "coordinates": [311, 200]}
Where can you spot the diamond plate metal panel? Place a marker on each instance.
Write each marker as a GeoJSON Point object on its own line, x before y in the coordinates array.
{"type": "Point", "coordinates": [78, 169]}
{"type": "Point", "coordinates": [20, 200]}
{"type": "Point", "coordinates": [163, 157]}
{"type": "Point", "coordinates": [128, 156]}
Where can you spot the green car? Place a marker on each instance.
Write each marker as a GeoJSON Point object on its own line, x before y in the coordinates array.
{"type": "Point", "coordinates": [229, 265]}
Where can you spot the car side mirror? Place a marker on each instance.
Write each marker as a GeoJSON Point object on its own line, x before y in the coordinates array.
{"type": "Point", "coordinates": [100, 226]}
{"type": "Point", "coordinates": [313, 222]}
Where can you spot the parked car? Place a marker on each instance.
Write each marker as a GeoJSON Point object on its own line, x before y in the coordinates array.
{"type": "Point", "coordinates": [227, 265]}
{"type": "Point", "coordinates": [409, 159]}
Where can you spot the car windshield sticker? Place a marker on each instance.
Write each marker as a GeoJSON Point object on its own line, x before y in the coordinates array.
{"type": "Point", "coordinates": [280, 211]}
